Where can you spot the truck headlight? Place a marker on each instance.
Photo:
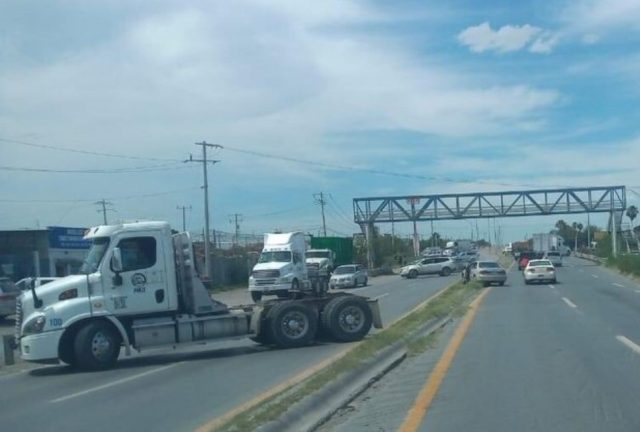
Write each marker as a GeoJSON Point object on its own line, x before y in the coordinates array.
{"type": "Point", "coordinates": [34, 325]}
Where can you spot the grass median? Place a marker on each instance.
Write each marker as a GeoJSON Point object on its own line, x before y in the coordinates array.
{"type": "Point", "coordinates": [452, 301]}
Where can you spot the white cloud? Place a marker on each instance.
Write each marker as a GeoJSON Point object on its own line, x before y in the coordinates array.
{"type": "Point", "coordinates": [602, 15]}
{"type": "Point", "coordinates": [508, 38]}
{"type": "Point", "coordinates": [545, 43]}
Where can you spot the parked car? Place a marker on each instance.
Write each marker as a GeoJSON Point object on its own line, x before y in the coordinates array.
{"type": "Point", "coordinates": [555, 258]}
{"type": "Point", "coordinates": [443, 266]}
{"type": "Point", "coordinates": [25, 284]}
{"type": "Point", "coordinates": [349, 276]}
{"type": "Point", "coordinates": [488, 272]}
{"type": "Point", "coordinates": [539, 271]}
{"type": "Point", "coordinates": [8, 294]}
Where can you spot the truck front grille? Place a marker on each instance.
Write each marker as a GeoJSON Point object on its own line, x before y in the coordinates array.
{"type": "Point", "coordinates": [265, 281]}
{"type": "Point", "coordinates": [18, 319]}
{"type": "Point", "coordinates": [257, 274]}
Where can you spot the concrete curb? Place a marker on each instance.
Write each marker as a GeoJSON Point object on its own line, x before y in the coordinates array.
{"type": "Point", "coordinates": [591, 258]}
{"type": "Point", "coordinates": [312, 411]}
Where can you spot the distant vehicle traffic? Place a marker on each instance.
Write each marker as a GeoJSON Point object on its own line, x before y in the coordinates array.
{"type": "Point", "coordinates": [523, 258]}
{"type": "Point", "coordinates": [555, 257]}
{"type": "Point", "coordinates": [349, 276]}
{"type": "Point", "coordinates": [488, 272]}
{"type": "Point", "coordinates": [8, 294]}
{"type": "Point", "coordinates": [25, 284]}
{"type": "Point", "coordinates": [443, 266]}
{"type": "Point", "coordinates": [539, 271]}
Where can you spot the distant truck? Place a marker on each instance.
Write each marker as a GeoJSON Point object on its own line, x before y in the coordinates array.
{"type": "Point", "coordinates": [342, 248]}
{"type": "Point", "coordinates": [546, 242]}
{"type": "Point", "coordinates": [459, 246]}
{"type": "Point", "coordinates": [283, 269]}
{"type": "Point", "coordinates": [139, 289]}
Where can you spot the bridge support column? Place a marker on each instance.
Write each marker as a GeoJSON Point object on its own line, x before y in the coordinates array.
{"type": "Point", "coordinates": [614, 235]}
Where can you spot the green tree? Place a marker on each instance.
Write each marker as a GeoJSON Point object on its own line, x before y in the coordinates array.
{"type": "Point", "coordinates": [632, 212]}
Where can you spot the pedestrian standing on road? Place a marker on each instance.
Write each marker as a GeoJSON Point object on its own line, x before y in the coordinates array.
{"type": "Point", "coordinates": [467, 273]}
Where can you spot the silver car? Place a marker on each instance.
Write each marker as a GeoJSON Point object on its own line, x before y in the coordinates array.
{"type": "Point", "coordinates": [443, 266]}
{"type": "Point", "coordinates": [488, 272]}
{"type": "Point", "coordinates": [349, 276]}
{"type": "Point", "coordinates": [8, 294]}
{"type": "Point", "coordinates": [555, 258]}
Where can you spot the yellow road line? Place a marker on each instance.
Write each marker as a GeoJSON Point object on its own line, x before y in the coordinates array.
{"type": "Point", "coordinates": [218, 422]}
{"type": "Point", "coordinates": [428, 393]}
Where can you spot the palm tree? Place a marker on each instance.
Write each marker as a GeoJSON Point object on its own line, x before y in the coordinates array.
{"type": "Point", "coordinates": [632, 212]}
{"type": "Point", "coordinates": [577, 227]}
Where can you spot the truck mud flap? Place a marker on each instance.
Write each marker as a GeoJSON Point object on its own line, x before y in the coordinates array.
{"type": "Point", "coordinates": [375, 313]}
{"type": "Point", "coordinates": [256, 320]}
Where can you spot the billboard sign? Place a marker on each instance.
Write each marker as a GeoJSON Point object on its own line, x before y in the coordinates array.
{"type": "Point", "coordinates": [67, 238]}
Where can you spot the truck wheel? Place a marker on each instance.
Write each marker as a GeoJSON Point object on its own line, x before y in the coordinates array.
{"type": "Point", "coordinates": [264, 338]}
{"type": "Point", "coordinates": [96, 346]}
{"type": "Point", "coordinates": [446, 271]}
{"type": "Point", "coordinates": [65, 352]}
{"type": "Point", "coordinates": [413, 274]}
{"type": "Point", "coordinates": [256, 296]}
{"type": "Point", "coordinates": [347, 318]}
{"type": "Point", "coordinates": [292, 324]}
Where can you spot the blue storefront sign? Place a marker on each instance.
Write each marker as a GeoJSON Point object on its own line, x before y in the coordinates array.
{"type": "Point", "coordinates": [67, 238]}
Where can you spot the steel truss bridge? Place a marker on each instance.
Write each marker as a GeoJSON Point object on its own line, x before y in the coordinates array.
{"type": "Point", "coordinates": [539, 202]}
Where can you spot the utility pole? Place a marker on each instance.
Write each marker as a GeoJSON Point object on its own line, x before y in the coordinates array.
{"type": "Point", "coordinates": [235, 219]}
{"type": "Point", "coordinates": [205, 187]}
{"type": "Point", "coordinates": [319, 197]}
{"type": "Point", "coordinates": [184, 219]}
{"type": "Point", "coordinates": [104, 205]}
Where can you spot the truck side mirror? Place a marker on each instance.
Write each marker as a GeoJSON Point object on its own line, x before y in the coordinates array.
{"type": "Point", "coordinates": [116, 260]}
{"type": "Point", "coordinates": [116, 266]}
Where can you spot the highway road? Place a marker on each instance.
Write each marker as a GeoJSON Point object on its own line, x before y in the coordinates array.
{"type": "Point", "coordinates": [563, 357]}
{"type": "Point", "coordinates": [170, 391]}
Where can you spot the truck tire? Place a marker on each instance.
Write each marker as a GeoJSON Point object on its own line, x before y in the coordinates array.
{"type": "Point", "coordinates": [446, 271]}
{"type": "Point", "coordinates": [347, 318]}
{"type": "Point", "coordinates": [256, 296]}
{"type": "Point", "coordinates": [96, 346]}
{"type": "Point", "coordinates": [292, 324]}
{"type": "Point", "coordinates": [65, 350]}
{"type": "Point", "coordinates": [264, 338]}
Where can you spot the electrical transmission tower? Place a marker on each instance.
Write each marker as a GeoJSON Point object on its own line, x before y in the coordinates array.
{"type": "Point", "coordinates": [103, 203]}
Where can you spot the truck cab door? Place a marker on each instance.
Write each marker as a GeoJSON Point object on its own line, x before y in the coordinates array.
{"type": "Point", "coordinates": [141, 285]}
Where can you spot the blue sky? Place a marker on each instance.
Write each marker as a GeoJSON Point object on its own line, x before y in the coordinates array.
{"type": "Point", "coordinates": [485, 94]}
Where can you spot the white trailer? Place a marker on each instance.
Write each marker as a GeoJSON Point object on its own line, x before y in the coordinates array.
{"type": "Point", "coordinates": [139, 289]}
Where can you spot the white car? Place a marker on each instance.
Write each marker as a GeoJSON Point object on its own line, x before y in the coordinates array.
{"type": "Point", "coordinates": [348, 276]}
{"type": "Point", "coordinates": [539, 271]}
{"type": "Point", "coordinates": [443, 266]}
{"type": "Point", "coordinates": [555, 258]}
{"type": "Point", "coordinates": [488, 272]}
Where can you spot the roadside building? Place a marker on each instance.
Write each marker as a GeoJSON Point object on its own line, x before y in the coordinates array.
{"type": "Point", "coordinates": [54, 251]}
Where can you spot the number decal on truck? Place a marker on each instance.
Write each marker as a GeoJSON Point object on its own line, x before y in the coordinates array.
{"type": "Point", "coordinates": [55, 322]}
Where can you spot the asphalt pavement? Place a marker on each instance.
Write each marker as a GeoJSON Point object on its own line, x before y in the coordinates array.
{"type": "Point", "coordinates": [562, 357]}
{"type": "Point", "coordinates": [164, 390]}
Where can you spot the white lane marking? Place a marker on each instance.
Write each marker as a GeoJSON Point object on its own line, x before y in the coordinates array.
{"type": "Point", "coordinates": [569, 302]}
{"type": "Point", "coordinates": [618, 285]}
{"type": "Point", "coordinates": [113, 383]}
{"type": "Point", "coordinates": [595, 276]}
{"type": "Point", "coordinates": [552, 287]}
{"type": "Point", "coordinates": [629, 343]}
{"type": "Point", "coordinates": [381, 296]}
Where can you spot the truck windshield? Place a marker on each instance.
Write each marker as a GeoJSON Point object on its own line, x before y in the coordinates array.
{"type": "Point", "coordinates": [317, 254]}
{"type": "Point", "coordinates": [275, 256]}
{"type": "Point", "coordinates": [94, 256]}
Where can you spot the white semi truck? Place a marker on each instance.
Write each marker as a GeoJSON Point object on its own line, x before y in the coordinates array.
{"type": "Point", "coordinates": [139, 289]}
{"type": "Point", "coordinates": [284, 268]}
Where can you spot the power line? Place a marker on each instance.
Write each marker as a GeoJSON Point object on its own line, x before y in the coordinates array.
{"type": "Point", "coordinates": [137, 169]}
{"type": "Point", "coordinates": [319, 198]}
{"type": "Point", "coordinates": [337, 167]}
{"type": "Point", "coordinates": [205, 187]}
{"type": "Point", "coordinates": [87, 152]}
{"type": "Point", "coordinates": [126, 197]}
{"type": "Point", "coordinates": [103, 203]}
{"type": "Point", "coordinates": [184, 216]}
